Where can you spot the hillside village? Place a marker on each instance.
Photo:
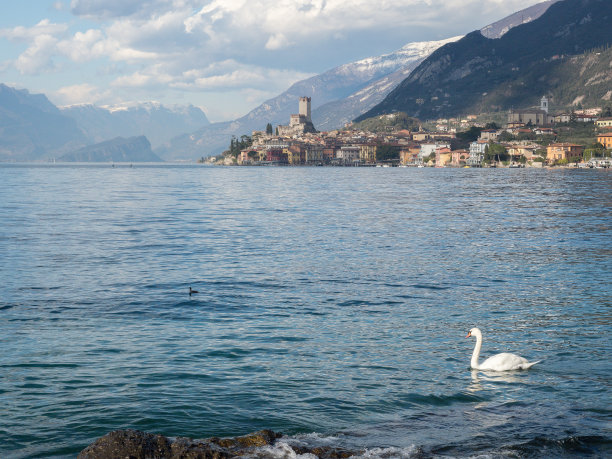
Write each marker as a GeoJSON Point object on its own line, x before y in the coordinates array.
{"type": "Point", "coordinates": [529, 138]}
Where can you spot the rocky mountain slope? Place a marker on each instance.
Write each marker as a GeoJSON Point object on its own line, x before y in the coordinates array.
{"type": "Point", "coordinates": [478, 74]}
{"type": "Point", "coordinates": [32, 128]}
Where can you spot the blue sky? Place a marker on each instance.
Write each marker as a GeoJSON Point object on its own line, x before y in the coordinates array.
{"type": "Point", "coordinates": [225, 56]}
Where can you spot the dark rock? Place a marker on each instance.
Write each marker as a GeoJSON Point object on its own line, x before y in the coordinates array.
{"type": "Point", "coordinates": [257, 439]}
{"type": "Point", "coordinates": [185, 448]}
{"type": "Point", "coordinates": [131, 444]}
{"type": "Point", "coordinates": [134, 444]}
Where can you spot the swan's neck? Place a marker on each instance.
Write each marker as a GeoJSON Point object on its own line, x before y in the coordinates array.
{"type": "Point", "coordinates": [476, 353]}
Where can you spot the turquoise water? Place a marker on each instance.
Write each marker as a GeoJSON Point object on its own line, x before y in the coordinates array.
{"type": "Point", "coordinates": [333, 306]}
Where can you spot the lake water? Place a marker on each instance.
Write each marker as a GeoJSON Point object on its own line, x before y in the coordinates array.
{"type": "Point", "coordinates": [333, 307]}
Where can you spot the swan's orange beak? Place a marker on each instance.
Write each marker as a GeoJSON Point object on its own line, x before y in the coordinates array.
{"type": "Point", "coordinates": [469, 334]}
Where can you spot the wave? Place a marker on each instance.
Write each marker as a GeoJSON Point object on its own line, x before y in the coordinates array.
{"type": "Point", "coordinates": [314, 446]}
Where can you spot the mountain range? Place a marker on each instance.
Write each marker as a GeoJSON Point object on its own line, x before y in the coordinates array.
{"type": "Point", "coordinates": [338, 95]}
{"type": "Point", "coordinates": [157, 122]}
{"type": "Point", "coordinates": [32, 128]}
{"type": "Point", "coordinates": [507, 63]}
{"type": "Point", "coordinates": [477, 74]}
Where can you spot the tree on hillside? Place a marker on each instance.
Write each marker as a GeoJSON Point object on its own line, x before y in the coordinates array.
{"type": "Point", "coordinates": [506, 137]}
{"type": "Point", "coordinates": [470, 135]}
{"type": "Point", "coordinates": [236, 145]}
{"type": "Point", "coordinates": [496, 152]}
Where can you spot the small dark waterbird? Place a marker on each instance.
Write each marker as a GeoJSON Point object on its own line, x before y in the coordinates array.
{"type": "Point", "coordinates": [192, 291]}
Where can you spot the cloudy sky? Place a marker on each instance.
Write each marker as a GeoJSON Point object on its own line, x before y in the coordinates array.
{"type": "Point", "coordinates": [225, 56]}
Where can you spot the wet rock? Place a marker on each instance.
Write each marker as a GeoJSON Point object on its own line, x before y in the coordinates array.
{"type": "Point", "coordinates": [186, 448]}
{"type": "Point", "coordinates": [131, 444]}
{"type": "Point", "coordinates": [256, 439]}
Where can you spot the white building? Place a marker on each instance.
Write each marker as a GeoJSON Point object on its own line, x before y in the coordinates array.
{"type": "Point", "coordinates": [477, 152]}
{"type": "Point", "coordinates": [429, 148]}
{"type": "Point", "coordinates": [348, 154]}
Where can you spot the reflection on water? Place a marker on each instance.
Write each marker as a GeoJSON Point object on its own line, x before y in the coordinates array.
{"type": "Point", "coordinates": [480, 378]}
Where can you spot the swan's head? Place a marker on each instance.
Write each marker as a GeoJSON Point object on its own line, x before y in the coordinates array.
{"type": "Point", "coordinates": [474, 332]}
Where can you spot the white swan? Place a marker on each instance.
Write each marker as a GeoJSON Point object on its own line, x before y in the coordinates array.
{"type": "Point", "coordinates": [499, 362]}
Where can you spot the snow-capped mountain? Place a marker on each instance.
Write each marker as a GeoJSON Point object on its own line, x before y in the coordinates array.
{"type": "Point", "coordinates": [377, 76]}
{"type": "Point", "coordinates": [157, 122]}
{"type": "Point", "coordinates": [336, 113]}
{"type": "Point", "coordinates": [338, 95]}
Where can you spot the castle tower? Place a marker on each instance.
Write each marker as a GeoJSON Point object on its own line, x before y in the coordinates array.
{"type": "Point", "coordinates": [544, 104]}
{"type": "Point", "coordinates": [305, 108]}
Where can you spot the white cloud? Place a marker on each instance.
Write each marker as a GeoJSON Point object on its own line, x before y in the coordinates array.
{"type": "Point", "coordinates": [221, 76]}
{"type": "Point", "coordinates": [277, 41]}
{"type": "Point", "coordinates": [38, 56]}
{"type": "Point", "coordinates": [82, 46]}
{"type": "Point", "coordinates": [44, 27]}
{"type": "Point", "coordinates": [257, 46]}
{"type": "Point", "coordinates": [79, 94]}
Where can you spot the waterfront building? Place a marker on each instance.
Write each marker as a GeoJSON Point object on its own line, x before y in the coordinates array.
{"type": "Point", "coordinates": [367, 153]}
{"type": "Point", "coordinates": [459, 157]}
{"type": "Point", "coordinates": [443, 156]}
{"type": "Point", "coordinates": [299, 123]}
{"type": "Point", "coordinates": [605, 139]}
{"type": "Point", "coordinates": [559, 151]}
{"type": "Point", "coordinates": [348, 154]}
{"type": "Point", "coordinates": [429, 148]}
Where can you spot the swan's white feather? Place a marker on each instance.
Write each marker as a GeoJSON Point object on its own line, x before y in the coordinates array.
{"type": "Point", "coordinates": [505, 362]}
{"type": "Point", "coordinates": [499, 362]}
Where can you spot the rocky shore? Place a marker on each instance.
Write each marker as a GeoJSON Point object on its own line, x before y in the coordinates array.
{"type": "Point", "coordinates": [134, 444]}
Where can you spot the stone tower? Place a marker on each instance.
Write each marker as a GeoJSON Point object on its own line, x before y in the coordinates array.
{"type": "Point", "coordinates": [544, 104]}
{"type": "Point", "coordinates": [305, 108]}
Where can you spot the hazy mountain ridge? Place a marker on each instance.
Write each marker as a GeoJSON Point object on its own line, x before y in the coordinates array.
{"type": "Point", "coordinates": [157, 122]}
{"type": "Point", "coordinates": [31, 127]}
{"type": "Point", "coordinates": [133, 149]}
{"type": "Point", "coordinates": [477, 74]}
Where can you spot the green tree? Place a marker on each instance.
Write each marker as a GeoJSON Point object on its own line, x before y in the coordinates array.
{"type": "Point", "coordinates": [269, 130]}
{"type": "Point", "coordinates": [506, 137]}
{"type": "Point", "coordinates": [496, 152]}
{"type": "Point", "coordinates": [386, 152]}
{"type": "Point", "coordinates": [492, 125]}
{"type": "Point", "coordinates": [595, 150]}
{"type": "Point", "coordinates": [470, 135]}
{"type": "Point", "coordinates": [236, 145]}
